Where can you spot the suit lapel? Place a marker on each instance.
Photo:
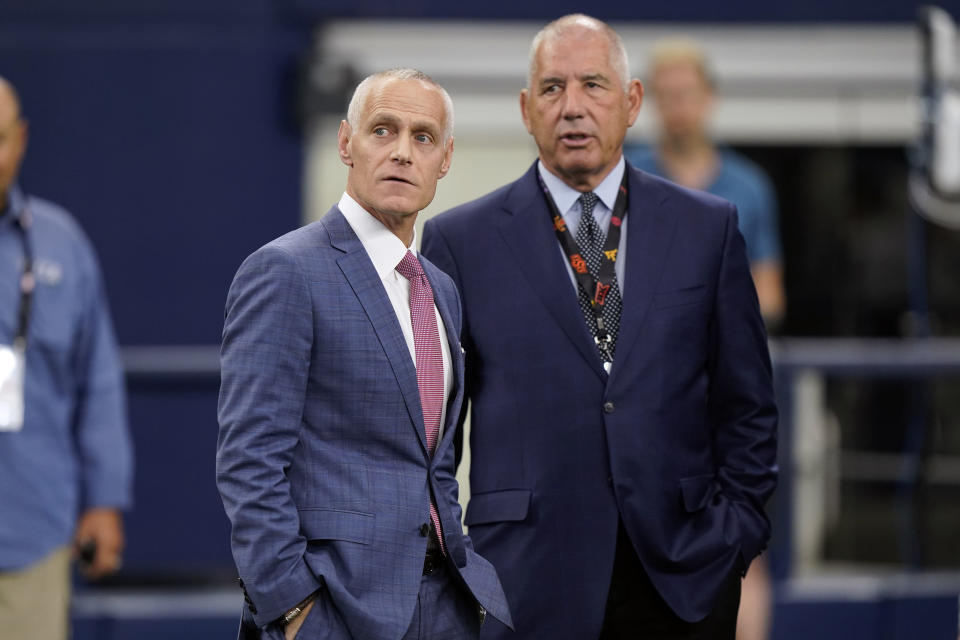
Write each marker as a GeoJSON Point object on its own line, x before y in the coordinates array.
{"type": "Point", "coordinates": [650, 231]}
{"type": "Point", "coordinates": [526, 229]}
{"type": "Point", "coordinates": [363, 279]}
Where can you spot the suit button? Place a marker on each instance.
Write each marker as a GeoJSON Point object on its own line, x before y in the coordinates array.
{"type": "Point", "coordinates": [610, 480]}
{"type": "Point", "coordinates": [608, 407]}
{"type": "Point", "coordinates": [424, 529]}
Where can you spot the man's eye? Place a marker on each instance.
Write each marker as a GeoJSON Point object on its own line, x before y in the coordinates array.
{"type": "Point", "coordinates": [553, 88]}
{"type": "Point", "coordinates": [422, 137]}
{"type": "Point", "coordinates": [380, 131]}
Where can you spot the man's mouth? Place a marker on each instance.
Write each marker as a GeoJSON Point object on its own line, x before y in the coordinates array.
{"type": "Point", "coordinates": [575, 139]}
{"type": "Point", "coordinates": [397, 179]}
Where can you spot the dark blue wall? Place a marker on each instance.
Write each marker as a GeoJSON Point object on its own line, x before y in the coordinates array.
{"type": "Point", "coordinates": [174, 147]}
{"type": "Point", "coordinates": [167, 130]}
{"type": "Point", "coordinates": [691, 10]}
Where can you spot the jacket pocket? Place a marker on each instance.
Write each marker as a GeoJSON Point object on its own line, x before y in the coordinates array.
{"type": "Point", "coordinates": [511, 505]}
{"type": "Point", "coordinates": [334, 524]}
{"type": "Point", "coordinates": [698, 491]}
{"type": "Point", "coordinates": [679, 297]}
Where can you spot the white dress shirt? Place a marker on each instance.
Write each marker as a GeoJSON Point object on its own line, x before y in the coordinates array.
{"type": "Point", "coordinates": [565, 197]}
{"type": "Point", "coordinates": [386, 251]}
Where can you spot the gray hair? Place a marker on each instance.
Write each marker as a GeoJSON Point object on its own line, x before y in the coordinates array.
{"type": "Point", "coordinates": [556, 29]}
{"type": "Point", "coordinates": [405, 73]}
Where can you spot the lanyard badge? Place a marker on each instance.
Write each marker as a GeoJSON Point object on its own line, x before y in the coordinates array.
{"type": "Point", "coordinates": [13, 358]}
{"type": "Point", "coordinates": [12, 365]}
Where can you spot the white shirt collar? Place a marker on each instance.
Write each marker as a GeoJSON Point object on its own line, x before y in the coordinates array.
{"type": "Point", "coordinates": [564, 195]}
{"type": "Point", "coordinates": [385, 249]}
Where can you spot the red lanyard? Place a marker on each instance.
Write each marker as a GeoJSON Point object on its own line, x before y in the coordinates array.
{"type": "Point", "coordinates": [597, 287]}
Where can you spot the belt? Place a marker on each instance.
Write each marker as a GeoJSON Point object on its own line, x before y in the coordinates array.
{"type": "Point", "coordinates": [432, 561]}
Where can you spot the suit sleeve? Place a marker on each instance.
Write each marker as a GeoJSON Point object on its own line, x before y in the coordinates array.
{"type": "Point", "coordinates": [437, 251]}
{"type": "Point", "coordinates": [265, 360]}
{"type": "Point", "coordinates": [741, 398]}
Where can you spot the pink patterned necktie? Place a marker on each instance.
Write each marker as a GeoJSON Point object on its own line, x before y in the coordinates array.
{"type": "Point", "coordinates": [426, 342]}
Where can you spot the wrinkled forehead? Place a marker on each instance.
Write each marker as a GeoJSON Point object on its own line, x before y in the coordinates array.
{"type": "Point", "coordinates": [405, 97]}
{"type": "Point", "coordinates": [574, 51]}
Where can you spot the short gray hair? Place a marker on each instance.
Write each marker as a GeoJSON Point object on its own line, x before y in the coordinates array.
{"type": "Point", "coordinates": [556, 29]}
{"type": "Point", "coordinates": [404, 73]}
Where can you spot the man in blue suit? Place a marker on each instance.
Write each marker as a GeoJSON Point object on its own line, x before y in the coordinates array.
{"type": "Point", "coordinates": [342, 378]}
{"type": "Point", "coordinates": [623, 438]}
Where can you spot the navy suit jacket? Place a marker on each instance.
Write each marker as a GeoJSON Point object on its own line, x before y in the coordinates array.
{"type": "Point", "coordinates": [322, 461]}
{"type": "Point", "coordinates": [679, 440]}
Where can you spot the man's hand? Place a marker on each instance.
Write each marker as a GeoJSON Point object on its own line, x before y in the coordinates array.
{"type": "Point", "coordinates": [290, 631]}
{"type": "Point", "coordinates": [103, 527]}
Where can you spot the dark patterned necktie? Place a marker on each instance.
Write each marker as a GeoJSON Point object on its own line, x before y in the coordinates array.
{"type": "Point", "coordinates": [429, 359]}
{"type": "Point", "coordinates": [590, 238]}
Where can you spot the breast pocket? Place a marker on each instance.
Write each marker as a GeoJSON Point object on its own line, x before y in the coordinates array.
{"type": "Point", "coordinates": [680, 297]}
{"type": "Point", "coordinates": [55, 324]}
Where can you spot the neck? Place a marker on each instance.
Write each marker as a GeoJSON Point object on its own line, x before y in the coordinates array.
{"type": "Point", "coordinates": [690, 161]}
{"type": "Point", "coordinates": [686, 147]}
{"type": "Point", "coordinates": [399, 224]}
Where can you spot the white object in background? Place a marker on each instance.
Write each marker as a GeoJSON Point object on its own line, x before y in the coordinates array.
{"type": "Point", "coordinates": [12, 365]}
{"type": "Point", "coordinates": [945, 169]}
{"type": "Point", "coordinates": [943, 33]}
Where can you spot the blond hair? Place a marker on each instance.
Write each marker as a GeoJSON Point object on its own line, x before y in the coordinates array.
{"type": "Point", "coordinates": [680, 51]}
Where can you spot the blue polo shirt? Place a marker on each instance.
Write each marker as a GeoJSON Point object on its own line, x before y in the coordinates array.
{"type": "Point", "coordinates": [744, 184]}
{"type": "Point", "coordinates": [74, 449]}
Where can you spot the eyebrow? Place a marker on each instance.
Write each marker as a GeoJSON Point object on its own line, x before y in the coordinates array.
{"type": "Point", "coordinates": [416, 125]}
{"type": "Point", "coordinates": [594, 77]}
{"type": "Point", "coordinates": [589, 77]}
{"type": "Point", "coordinates": [551, 80]}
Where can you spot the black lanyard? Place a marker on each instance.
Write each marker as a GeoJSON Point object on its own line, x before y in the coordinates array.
{"type": "Point", "coordinates": [595, 288]}
{"type": "Point", "coordinates": [27, 280]}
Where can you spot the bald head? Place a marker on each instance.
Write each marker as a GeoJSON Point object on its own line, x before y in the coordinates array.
{"type": "Point", "coordinates": [13, 138]}
{"type": "Point", "coordinates": [579, 25]}
{"type": "Point", "coordinates": [9, 103]}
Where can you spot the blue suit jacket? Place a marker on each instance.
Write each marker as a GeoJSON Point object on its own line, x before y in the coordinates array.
{"type": "Point", "coordinates": [679, 440]}
{"type": "Point", "coordinates": [322, 461]}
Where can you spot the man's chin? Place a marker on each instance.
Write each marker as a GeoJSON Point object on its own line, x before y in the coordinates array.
{"type": "Point", "coordinates": [578, 169]}
{"type": "Point", "coordinates": [400, 207]}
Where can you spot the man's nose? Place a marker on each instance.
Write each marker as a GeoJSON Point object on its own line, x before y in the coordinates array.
{"type": "Point", "coordinates": [401, 150]}
{"type": "Point", "coordinates": [573, 105]}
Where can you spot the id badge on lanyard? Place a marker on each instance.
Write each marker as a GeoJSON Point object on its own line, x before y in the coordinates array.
{"type": "Point", "coordinates": [13, 357]}
{"type": "Point", "coordinates": [13, 363]}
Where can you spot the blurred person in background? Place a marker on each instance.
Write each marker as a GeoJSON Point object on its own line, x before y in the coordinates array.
{"type": "Point", "coordinates": [342, 379]}
{"type": "Point", "coordinates": [64, 445]}
{"type": "Point", "coordinates": [684, 95]}
{"type": "Point", "coordinates": [622, 447]}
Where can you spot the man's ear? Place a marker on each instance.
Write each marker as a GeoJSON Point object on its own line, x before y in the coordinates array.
{"type": "Point", "coordinates": [634, 99]}
{"type": "Point", "coordinates": [524, 96]}
{"type": "Point", "coordinates": [447, 159]}
{"type": "Point", "coordinates": [344, 135]}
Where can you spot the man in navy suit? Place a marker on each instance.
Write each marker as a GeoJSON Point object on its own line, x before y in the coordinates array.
{"type": "Point", "coordinates": [623, 438]}
{"type": "Point", "coordinates": [342, 378]}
